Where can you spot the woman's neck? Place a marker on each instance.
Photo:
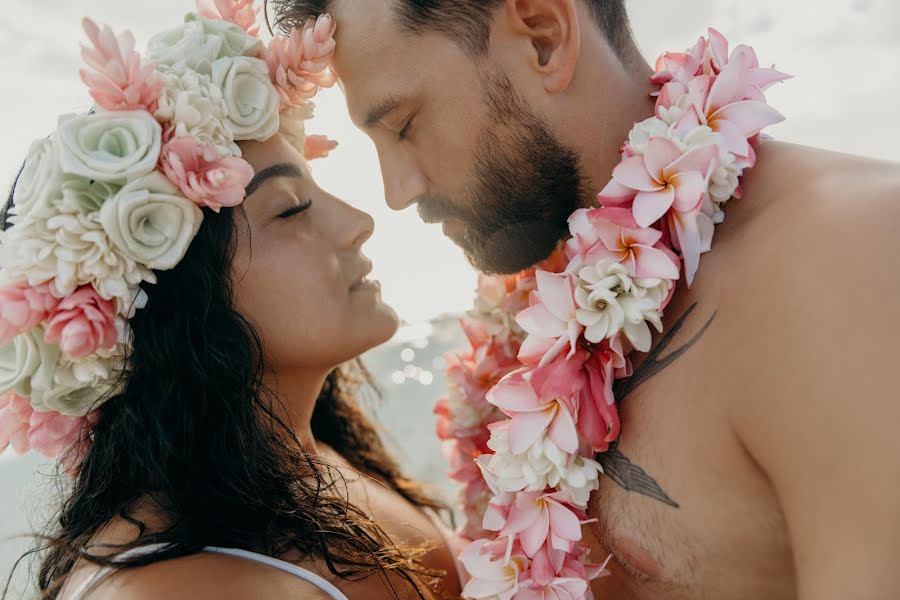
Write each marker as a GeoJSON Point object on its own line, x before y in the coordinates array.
{"type": "Point", "coordinates": [297, 393]}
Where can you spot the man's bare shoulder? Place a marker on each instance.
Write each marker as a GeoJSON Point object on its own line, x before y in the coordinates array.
{"type": "Point", "coordinates": [201, 577]}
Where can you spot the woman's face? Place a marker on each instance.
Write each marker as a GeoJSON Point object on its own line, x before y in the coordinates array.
{"type": "Point", "coordinates": [299, 272]}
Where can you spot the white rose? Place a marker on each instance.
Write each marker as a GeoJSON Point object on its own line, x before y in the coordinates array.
{"type": "Point", "coordinates": [150, 223]}
{"type": "Point", "coordinates": [253, 102]}
{"type": "Point", "coordinates": [199, 42]}
{"type": "Point", "coordinates": [27, 363]}
{"type": "Point", "coordinates": [114, 147]}
{"type": "Point", "coordinates": [84, 196]}
{"type": "Point", "coordinates": [609, 301]}
{"type": "Point", "coordinates": [195, 107]}
{"type": "Point", "coordinates": [78, 386]}
{"type": "Point", "coordinates": [37, 185]}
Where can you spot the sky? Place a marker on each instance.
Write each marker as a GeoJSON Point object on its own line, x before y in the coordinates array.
{"type": "Point", "coordinates": [845, 55]}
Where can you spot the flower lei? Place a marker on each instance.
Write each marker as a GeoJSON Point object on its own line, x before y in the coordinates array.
{"type": "Point", "coordinates": [114, 195]}
{"type": "Point", "coordinates": [531, 401]}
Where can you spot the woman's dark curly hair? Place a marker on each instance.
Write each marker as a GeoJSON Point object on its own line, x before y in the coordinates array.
{"type": "Point", "coordinates": [196, 431]}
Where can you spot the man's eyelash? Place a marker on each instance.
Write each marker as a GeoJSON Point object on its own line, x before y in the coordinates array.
{"type": "Point", "coordinates": [294, 210]}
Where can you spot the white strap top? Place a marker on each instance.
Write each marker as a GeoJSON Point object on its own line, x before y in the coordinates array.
{"type": "Point", "coordinates": [281, 565]}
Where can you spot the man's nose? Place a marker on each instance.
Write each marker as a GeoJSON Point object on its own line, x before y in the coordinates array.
{"type": "Point", "coordinates": [403, 181]}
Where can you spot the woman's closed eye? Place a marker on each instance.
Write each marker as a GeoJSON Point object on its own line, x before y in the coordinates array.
{"type": "Point", "coordinates": [296, 210]}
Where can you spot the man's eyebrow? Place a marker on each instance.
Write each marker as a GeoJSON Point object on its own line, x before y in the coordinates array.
{"type": "Point", "coordinates": [278, 170]}
{"type": "Point", "coordinates": [382, 109]}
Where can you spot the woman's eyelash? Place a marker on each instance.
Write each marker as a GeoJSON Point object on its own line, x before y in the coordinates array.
{"type": "Point", "coordinates": [294, 210]}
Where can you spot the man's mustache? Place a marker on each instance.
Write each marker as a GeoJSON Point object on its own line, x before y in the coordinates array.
{"type": "Point", "coordinates": [434, 209]}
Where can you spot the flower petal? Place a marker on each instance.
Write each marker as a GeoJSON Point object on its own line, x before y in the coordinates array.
{"type": "Point", "coordinates": [750, 116]}
{"type": "Point", "coordinates": [649, 207]}
{"type": "Point", "coordinates": [526, 428]}
{"type": "Point", "coordinates": [689, 189]}
{"type": "Point", "coordinates": [654, 263]}
{"type": "Point", "coordinates": [562, 431]}
{"type": "Point", "coordinates": [633, 173]}
{"type": "Point", "coordinates": [660, 154]}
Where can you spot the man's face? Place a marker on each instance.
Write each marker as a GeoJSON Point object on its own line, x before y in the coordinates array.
{"type": "Point", "coordinates": [455, 137]}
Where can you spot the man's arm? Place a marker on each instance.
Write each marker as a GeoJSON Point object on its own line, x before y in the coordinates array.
{"type": "Point", "coordinates": [820, 410]}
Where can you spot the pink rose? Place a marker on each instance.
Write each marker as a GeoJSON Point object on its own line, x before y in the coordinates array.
{"type": "Point", "coordinates": [22, 308]}
{"type": "Point", "coordinates": [203, 175]}
{"type": "Point", "coordinates": [82, 323]}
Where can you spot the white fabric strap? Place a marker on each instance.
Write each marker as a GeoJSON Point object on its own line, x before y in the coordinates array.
{"type": "Point", "coordinates": [281, 565]}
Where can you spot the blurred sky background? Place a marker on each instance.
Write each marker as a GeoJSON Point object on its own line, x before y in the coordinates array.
{"type": "Point", "coordinates": [845, 55]}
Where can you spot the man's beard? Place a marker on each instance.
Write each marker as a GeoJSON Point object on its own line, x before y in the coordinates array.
{"type": "Point", "coordinates": [525, 184]}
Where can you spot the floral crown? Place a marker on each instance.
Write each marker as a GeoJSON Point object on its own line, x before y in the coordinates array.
{"type": "Point", "coordinates": [116, 194]}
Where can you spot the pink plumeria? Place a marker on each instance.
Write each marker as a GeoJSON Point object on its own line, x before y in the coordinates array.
{"type": "Point", "coordinates": [237, 12]}
{"type": "Point", "coordinates": [299, 63]}
{"type": "Point", "coordinates": [22, 308]}
{"type": "Point", "coordinates": [613, 233]}
{"type": "Point", "coordinates": [538, 518]}
{"type": "Point", "coordinates": [116, 78]}
{"type": "Point", "coordinates": [203, 175]}
{"type": "Point", "coordinates": [83, 323]}
{"type": "Point", "coordinates": [531, 415]}
{"type": "Point", "coordinates": [494, 573]}
{"type": "Point", "coordinates": [550, 322]}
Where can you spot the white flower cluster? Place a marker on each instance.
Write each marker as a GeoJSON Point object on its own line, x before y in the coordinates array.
{"type": "Point", "coordinates": [543, 465]}
{"type": "Point", "coordinates": [91, 206]}
{"type": "Point", "coordinates": [609, 301]}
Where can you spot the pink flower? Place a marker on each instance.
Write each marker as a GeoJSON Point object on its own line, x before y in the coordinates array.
{"type": "Point", "coordinates": [203, 175]}
{"type": "Point", "coordinates": [551, 323]}
{"type": "Point", "coordinates": [52, 434]}
{"type": "Point", "coordinates": [317, 146]}
{"type": "Point", "coordinates": [118, 80]}
{"type": "Point", "coordinates": [531, 415]}
{"type": "Point", "coordinates": [238, 12]}
{"type": "Point", "coordinates": [494, 574]}
{"type": "Point", "coordinates": [555, 575]}
{"type": "Point", "coordinates": [537, 518]}
{"type": "Point", "coordinates": [22, 308]}
{"type": "Point", "coordinates": [612, 233]}
{"type": "Point", "coordinates": [298, 63]}
{"type": "Point", "coordinates": [587, 377]}
{"type": "Point", "coordinates": [667, 182]}
{"type": "Point", "coordinates": [730, 103]}
{"type": "Point", "coordinates": [83, 323]}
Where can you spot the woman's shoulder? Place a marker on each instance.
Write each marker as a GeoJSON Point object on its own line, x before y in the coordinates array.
{"type": "Point", "coordinates": [197, 577]}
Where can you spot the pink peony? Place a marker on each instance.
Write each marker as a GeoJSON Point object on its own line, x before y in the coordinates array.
{"type": "Point", "coordinates": [317, 146]}
{"type": "Point", "coordinates": [22, 308]}
{"type": "Point", "coordinates": [203, 175]}
{"type": "Point", "coordinates": [238, 12]}
{"type": "Point", "coordinates": [83, 323]}
{"type": "Point", "coordinates": [117, 79]}
{"type": "Point", "coordinates": [298, 63]}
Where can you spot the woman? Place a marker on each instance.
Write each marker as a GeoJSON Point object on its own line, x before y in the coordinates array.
{"type": "Point", "coordinates": [219, 451]}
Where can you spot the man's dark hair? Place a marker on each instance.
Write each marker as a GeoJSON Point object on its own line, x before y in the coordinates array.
{"type": "Point", "coordinates": [467, 22]}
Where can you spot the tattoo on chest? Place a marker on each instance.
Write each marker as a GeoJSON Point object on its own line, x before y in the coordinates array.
{"type": "Point", "coordinates": [615, 464]}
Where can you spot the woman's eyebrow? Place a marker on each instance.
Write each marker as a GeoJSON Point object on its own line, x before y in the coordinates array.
{"type": "Point", "coordinates": [278, 170]}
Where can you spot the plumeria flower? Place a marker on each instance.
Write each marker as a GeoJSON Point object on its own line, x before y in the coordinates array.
{"type": "Point", "coordinates": [537, 518]}
{"type": "Point", "coordinates": [721, 103]}
{"type": "Point", "coordinates": [611, 302]}
{"type": "Point", "coordinates": [613, 233]}
{"type": "Point", "coordinates": [551, 323]}
{"type": "Point", "coordinates": [494, 574]}
{"type": "Point", "coordinates": [531, 416]}
{"type": "Point", "coordinates": [117, 80]}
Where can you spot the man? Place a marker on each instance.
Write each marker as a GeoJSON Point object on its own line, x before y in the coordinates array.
{"type": "Point", "coordinates": [758, 455]}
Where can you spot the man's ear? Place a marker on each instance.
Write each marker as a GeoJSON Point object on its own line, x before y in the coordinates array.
{"type": "Point", "coordinates": [552, 28]}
